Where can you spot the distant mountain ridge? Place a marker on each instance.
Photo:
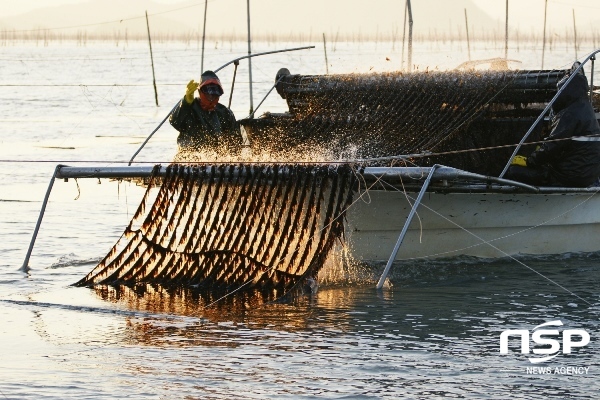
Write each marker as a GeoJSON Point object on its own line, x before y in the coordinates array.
{"type": "Point", "coordinates": [267, 16]}
{"type": "Point", "coordinates": [272, 18]}
{"type": "Point", "coordinates": [97, 16]}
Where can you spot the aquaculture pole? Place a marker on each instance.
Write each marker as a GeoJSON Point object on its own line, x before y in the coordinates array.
{"type": "Point", "coordinates": [544, 40]}
{"type": "Point", "coordinates": [506, 34]}
{"type": "Point", "coordinates": [151, 61]}
{"type": "Point", "coordinates": [467, 27]}
{"type": "Point", "coordinates": [575, 34]}
{"type": "Point", "coordinates": [203, 37]}
{"type": "Point", "coordinates": [410, 26]}
{"type": "Point", "coordinates": [250, 62]}
{"type": "Point", "coordinates": [404, 34]}
{"type": "Point", "coordinates": [325, 48]}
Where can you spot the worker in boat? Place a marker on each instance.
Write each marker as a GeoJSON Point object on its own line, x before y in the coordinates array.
{"type": "Point", "coordinates": [570, 155]}
{"type": "Point", "coordinates": [204, 123]}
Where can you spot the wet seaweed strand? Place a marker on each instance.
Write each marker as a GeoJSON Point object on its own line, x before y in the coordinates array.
{"type": "Point", "coordinates": [228, 226]}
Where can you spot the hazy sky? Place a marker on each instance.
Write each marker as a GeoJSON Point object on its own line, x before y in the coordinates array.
{"type": "Point", "coordinates": [12, 7]}
{"type": "Point", "coordinates": [523, 14]}
{"type": "Point", "coordinates": [15, 7]}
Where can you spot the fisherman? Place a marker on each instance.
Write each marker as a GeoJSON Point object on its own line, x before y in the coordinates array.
{"type": "Point", "coordinates": [204, 123]}
{"type": "Point", "coordinates": [570, 155]}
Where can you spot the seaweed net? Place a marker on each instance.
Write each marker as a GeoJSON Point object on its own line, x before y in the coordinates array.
{"type": "Point", "coordinates": [388, 114]}
{"type": "Point", "coordinates": [231, 226]}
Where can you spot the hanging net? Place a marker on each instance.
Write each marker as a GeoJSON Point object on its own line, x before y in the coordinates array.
{"type": "Point", "coordinates": [231, 226]}
{"type": "Point", "coordinates": [442, 113]}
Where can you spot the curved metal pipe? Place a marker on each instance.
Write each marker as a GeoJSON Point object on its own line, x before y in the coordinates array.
{"type": "Point", "coordinates": [216, 70]}
{"type": "Point", "coordinates": [539, 118]}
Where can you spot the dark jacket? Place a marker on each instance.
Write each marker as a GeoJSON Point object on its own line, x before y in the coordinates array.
{"type": "Point", "coordinates": [200, 129]}
{"type": "Point", "coordinates": [575, 161]}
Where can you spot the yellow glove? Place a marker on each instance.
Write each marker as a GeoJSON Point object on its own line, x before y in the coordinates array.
{"type": "Point", "coordinates": [189, 91]}
{"type": "Point", "coordinates": [521, 161]}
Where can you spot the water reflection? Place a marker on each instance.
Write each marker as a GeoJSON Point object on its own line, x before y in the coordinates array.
{"type": "Point", "coordinates": [445, 317]}
{"type": "Point", "coordinates": [438, 323]}
{"type": "Point", "coordinates": [185, 301]}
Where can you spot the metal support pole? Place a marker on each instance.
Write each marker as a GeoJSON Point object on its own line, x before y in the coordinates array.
{"type": "Point", "coordinates": [203, 37]}
{"type": "Point", "coordinates": [544, 40]}
{"type": "Point", "coordinates": [25, 266]}
{"type": "Point", "coordinates": [152, 61]}
{"type": "Point", "coordinates": [574, 34]}
{"type": "Point", "coordinates": [266, 95]}
{"type": "Point", "coordinates": [593, 59]}
{"type": "Point", "coordinates": [410, 32]}
{"type": "Point", "coordinates": [405, 228]}
{"type": "Point", "coordinates": [467, 28]}
{"type": "Point", "coordinates": [152, 133]}
{"type": "Point", "coordinates": [506, 34]}
{"type": "Point", "coordinates": [404, 34]}
{"type": "Point", "coordinates": [233, 83]}
{"type": "Point", "coordinates": [325, 49]}
{"type": "Point", "coordinates": [250, 60]}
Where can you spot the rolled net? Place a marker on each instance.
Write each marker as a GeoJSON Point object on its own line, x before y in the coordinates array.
{"type": "Point", "coordinates": [448, 117]}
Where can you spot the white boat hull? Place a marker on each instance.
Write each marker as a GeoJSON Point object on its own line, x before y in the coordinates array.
{"type": "Point", "coordinates": [476, 224]}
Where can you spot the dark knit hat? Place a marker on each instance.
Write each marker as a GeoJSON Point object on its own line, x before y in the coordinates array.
{"type": "Point", "coordinates": [210, 83]}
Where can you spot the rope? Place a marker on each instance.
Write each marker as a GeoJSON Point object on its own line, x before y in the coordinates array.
{"type": "Point", "coordinates": [333, 162]}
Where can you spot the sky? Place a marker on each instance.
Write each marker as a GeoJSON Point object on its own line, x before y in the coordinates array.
{"type": "Point", "coordinates": [526, 15]}
{"type": "Point", "coordinates": [16, 7]}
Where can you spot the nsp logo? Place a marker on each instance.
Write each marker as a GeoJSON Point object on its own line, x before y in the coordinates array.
{"type": "Point", "coordinates": [544, 337]}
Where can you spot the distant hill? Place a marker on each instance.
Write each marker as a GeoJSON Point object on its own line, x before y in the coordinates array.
{"type": "Point", "coordinates": [276, 18]}
{"type": "Point", "coordinates": [273, 19]}
{"type": "Point", "coordinates": [97, 17]}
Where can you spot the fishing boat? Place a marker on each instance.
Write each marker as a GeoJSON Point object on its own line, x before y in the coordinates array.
{"type": "Point", "coordinates": [460, 213]}
{"type": "Point", "coordinates": [410, 188]}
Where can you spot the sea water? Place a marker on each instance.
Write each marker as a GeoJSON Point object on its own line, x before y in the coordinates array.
{"type": "Point", "coordinates": [436, 332]}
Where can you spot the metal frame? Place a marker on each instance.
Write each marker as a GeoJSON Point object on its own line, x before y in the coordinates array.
{"type": "Point", "coordinates": [445, 178]}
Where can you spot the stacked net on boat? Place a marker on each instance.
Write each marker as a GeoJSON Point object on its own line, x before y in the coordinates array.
{"type": "Point", "coordinates": [232, 226]}
{"type": "Point", "coordinates": [389, 114]}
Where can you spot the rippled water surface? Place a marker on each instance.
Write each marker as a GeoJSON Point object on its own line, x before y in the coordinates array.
{"type": "Point", "coordinates": [434, 333]}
